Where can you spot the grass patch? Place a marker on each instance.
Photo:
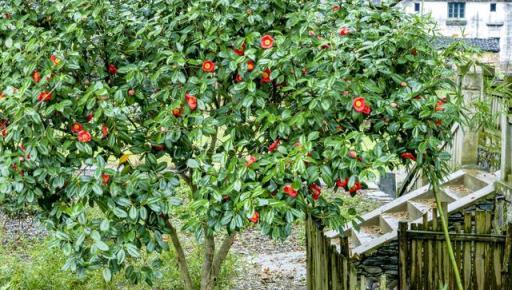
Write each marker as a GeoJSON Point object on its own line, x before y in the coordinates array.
{"type": "Point", "coordinates": [32, 264]}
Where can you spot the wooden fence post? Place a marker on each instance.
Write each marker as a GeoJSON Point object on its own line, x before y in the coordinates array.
{"type": "Point", "coordinates": [507, 259]}
{"type": "Point", "coordinates": [402, 255]}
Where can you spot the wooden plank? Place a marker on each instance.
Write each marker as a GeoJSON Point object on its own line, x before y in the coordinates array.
{"type": "Point", "coordinates": [457, 249]}
{"type": "Point", "coordinates": [428, 258]}
{"type": "Point", "coordinates": [414, 266]}
{"type": "Point", "coordinates": [466, 267]}
{"type": "Point", "coordinates": [419, 261]}
{"type": "Point", "coordinates": [353, 278]}
{"type": "Point", "coordinates": [402, 256]}
{"type": "Point", "coordinates": [480, 252]}
{"type": "Point", "coordinates": [436, 251]}
{"type": "Point", "coordinates": [383, 282]}
{"type": "Point", "coordinates": [485, 238]}
{"type": "Point", "coordinates": [363, 284]}
{"type": "Point", "coordinates": [488, 255]}
{"type": "Point", "coordinates": [507, 260]}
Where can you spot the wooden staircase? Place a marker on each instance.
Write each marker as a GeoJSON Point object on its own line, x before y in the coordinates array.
{"type": "Point", "coordinates": [459, 190]}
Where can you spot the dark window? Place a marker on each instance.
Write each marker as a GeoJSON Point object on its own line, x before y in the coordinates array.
{"type": "Point", "coordinates": [493, 7]}
{"type": "Point", "coordinates": [456, 9]}
{"type": "Point", "coordinates": [417, 7]}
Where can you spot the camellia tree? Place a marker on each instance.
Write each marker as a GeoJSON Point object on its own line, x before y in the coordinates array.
{"type": "Point", "coordinates": [126, 122]}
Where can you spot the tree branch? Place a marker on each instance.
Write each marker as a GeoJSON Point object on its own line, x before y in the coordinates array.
{"type": "Point", "coordinates": [221, 255]}
{"type": "Point", "coordinates": [180, 254]}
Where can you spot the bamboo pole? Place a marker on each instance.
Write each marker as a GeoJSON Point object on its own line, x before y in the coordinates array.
{"type": "Point", "coordinates": [444, 225]}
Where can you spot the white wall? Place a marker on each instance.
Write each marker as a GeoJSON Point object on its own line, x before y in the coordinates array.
{"type": "Point", "coordinates": [478, 16]}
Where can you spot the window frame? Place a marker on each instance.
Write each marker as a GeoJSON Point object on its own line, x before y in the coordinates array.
{"type": "Point", "coordinates": [456, 10]}
{"type": "Point", "coordinates": [417, 7]}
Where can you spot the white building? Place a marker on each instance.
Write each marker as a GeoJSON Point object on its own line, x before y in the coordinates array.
{"type": "Point", "coordinates": [486, 24]}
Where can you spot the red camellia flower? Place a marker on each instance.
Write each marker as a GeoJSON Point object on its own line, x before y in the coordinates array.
{"type": "Point", "coordinates": [250, 65]}
{"type": "Point", "coordinates": [439, 106]}
{"type": "Point", "coordinates": [408, 155]}
{"type": "Point", "coordinates": [104, 131]}
{"type": "Point", "coordinates": [54, 59]}
{"type": "Point", "coordinates": [36, 76]}
{"type": "Point", "coordinates": [250, 160]}
{"type": "Point", "coordinates": [255, 217]}
{"type": "Point", "coordinates": [177, 112]}
{"type": "Point", "coordinates": [240, 51]}
{"type": "Point", "coordinates": [3, 127]}
{"type": "Point", "coordinates": [344, 31]}
{"type": "Point", "coordinates": [359, 104]}
{"type": "Point", "coordinates": [238, 78]}
{"type": "Point", "coordinates": [273, 147]}
{"type": "Point", "coordinates": [84, 136]}
{"type": "Point", "coordinates": [112, 69]}
{"type": "Point", "coordinates": [267, 41]}
{"type": "Point", "coordinates": [288, 189]}
{"type": "Point", "coordinates": [357, 186]}
{"type": "Point", "coordinates": [76, 127]}
{"type": "Point", "coordinates": [342, 183]}
{"type": "Point", "coordinates": [316, 190]}
{"type": "Point", "coordinates": [438, 122]}
{"type": "Point", "coordinates": [367, 110]}
{"type": "Point", "coordinates": [191, 101]}
{"type": "Point", "coordinates": [44, 96]}
{"type": "Point", "coordinates": [265, 76]}
{"type": "Point", "coordinates": [105, 178]}
{"type": "Point", "coordinates": [336, 8]}
{"type": "Point", "coordinates": [208, 66]}
{"type": "Point", "coordinates": [89, 117]}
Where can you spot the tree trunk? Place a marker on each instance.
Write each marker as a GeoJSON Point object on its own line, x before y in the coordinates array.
{"type": "Point", "coordinates": [180, 255]}
{"type": "Point", "coordinates": [216, 265]}
{"type": "Point", "coordinates": [209, 253]}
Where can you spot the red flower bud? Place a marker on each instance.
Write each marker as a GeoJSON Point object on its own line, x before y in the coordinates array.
{"type": "Point", "coordinates": [177, 112]}
{"type": "Point", "coordinates": [105, 178]}
{"type": "Point", "coordinates": [439, 106]}
{"type": "Point", "coordinates": [250, 160]}
{"type": "Point", "coordinates": [238, 78]}
{"type": "Point", "coordinates": [352, 154]}
{"type": "Point", "coordinates": [408, 155]}
{"type": "Point", "coordinates": [265, 76]}
{"type": "Point", "coordinates": [357, 186]}
{"type": "Point", "coordinates": [44, 96]}
{"type": "Point", "coordinates": [36, 76]}
{"type": "Point", "coordinates": [342, 183]}
{"type": "Point", "coordinates": [273, 147]}
{"type": "Point", "coordinates": [288, 189]}
{"type": "Point", "coordinates": [76, 127]}
{"type": "Point", "coordinates": [54, 59]}
{"type": "Point", "coordinates": [89, 117]}
{"type": "Point", "coordinates": [131, 92]}
{"type": "Point", "coordinates": [255, 217]}
{"type": "Point", "coordinates": [240, 51]}
{"type": "Point", "coordinates": [316, 190]}
{"type": "Point", "coordinates": [250, 66]}
{"type": "Point", "coordinates": [104, 131]}
{"type": "Point", "coordinates": [191, 101]}
{"type": "Point", "coordinates": [112, 69]}
{"type": "Point", "coordinates": [344, 31]}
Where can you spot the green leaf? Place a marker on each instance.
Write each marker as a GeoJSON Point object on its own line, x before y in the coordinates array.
{"type": "Point", "coordinates": [192, 163]}
{"type": "Point", "coordinates": [107, 275]}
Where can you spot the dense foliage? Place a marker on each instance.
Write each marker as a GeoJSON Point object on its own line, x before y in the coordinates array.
{"type": "Point", "coordinates": [253, 106]}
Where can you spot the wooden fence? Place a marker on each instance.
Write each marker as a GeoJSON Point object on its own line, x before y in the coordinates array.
{"type": "Point", "coordinates": [328, 265]}
{"type": "Point", "coordinates": [482, 252]}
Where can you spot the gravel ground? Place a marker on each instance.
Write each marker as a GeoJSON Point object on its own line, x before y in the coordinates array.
{"type": "Point", "coordinates": [270, 265]}
{"type": "Point", "coordinates": [18, 228]}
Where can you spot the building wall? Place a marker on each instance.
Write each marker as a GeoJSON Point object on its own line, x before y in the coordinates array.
{"type": "Point", "coordinates": [480, 21]}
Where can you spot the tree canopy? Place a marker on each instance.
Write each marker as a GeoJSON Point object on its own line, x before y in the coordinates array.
{"type": "Point", "coordinates": [109, 109]}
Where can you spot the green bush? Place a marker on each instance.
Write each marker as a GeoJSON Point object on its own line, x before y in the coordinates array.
{"type": "Point", "coordinates": [35, 264]}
